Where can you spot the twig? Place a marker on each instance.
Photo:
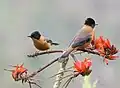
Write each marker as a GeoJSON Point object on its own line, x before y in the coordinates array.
{"type": "Point", "coordinates": [74, 57]}
{"type": "Point", "coordinates": [61, 71]}
{"type": "Point", "coordinates": [39, 70]}
{"type": "Point", "coordinates": [45, 52]}
{"type": "Point", "coordinates": [67, 83]}
{"type": "Point", "coordinates": [69, 80]}
{"type": "Point", "coordinates": [30, 85]}
{"type": "Point", "coordinates": [67, 76]}
{"type": "Point", "coordinates": [89, 51]}
{"type": "Point", "coordinates": [35, 84]}
{"type": "Point", "coordinates": [67, 70]}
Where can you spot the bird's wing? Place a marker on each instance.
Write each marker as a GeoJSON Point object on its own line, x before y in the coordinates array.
{"type": "Point", "coordinates": [79, 34]}
{"type": "Point", "coordinates": [79, 41]}
{"type": "Point", "coordinates": [46, 39]}
{"type": "Point", "coordinates": [74, 38]}
{"type": "Point", "coordinates": [51, 42]}
{"type": "Point", "coordinates": [82, 36]}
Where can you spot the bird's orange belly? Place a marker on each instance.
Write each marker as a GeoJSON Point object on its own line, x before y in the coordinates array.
{"type": "Point", "coordinates": [42, 47]}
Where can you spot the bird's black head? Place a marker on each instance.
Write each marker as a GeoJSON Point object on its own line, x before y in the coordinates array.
{"type": "Point", "coordinates": [35, 35]}
{"type": "Point", "coordinates": [90, 22]}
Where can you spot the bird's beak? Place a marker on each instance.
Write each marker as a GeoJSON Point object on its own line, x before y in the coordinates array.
{"type": "Point", "coordinates": [29, 36]}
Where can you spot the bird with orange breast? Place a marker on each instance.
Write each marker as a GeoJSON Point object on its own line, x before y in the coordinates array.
{"type": "Point", "coordinates": [40, 42]}
{"type": "Point", "coordinates": [82, 39]}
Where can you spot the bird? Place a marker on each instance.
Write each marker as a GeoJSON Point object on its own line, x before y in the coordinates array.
{"type": "Point", "coordinates": [82, 39]}
{"type": "Point", "coordinates": [40, 42]}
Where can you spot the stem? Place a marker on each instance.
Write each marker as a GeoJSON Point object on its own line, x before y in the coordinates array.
{"type": "Point", "coordinates": [61, 71]}
{"type": "Point", "coordinates": [40, 69]}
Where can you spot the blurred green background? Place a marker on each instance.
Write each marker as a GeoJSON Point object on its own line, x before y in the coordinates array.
{"type": "Point", "coordinates": [59, 20]}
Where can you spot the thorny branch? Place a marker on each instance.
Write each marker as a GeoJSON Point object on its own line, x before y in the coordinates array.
{"type": "Point", "coordinates": [47, 52]}
{"type": "Point", "coordinates": [56, 51]}
{"type": "Point", "coordinates": [44, 52]}
{"type": "Point", "coordinates": [60, 51]}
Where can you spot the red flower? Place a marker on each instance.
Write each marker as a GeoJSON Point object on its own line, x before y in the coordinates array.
{"type": "Point", "coordinates": [87, 62]}
{"type": "Point", "coordinates": [105, 49]}
{"type": "Point", "coordinates": [15, 75]}
{"type": "Point", "coordinates": [21, 69]}
{"type": "Point", "coordinates": [18, 72]}
{"type": "Point", "coordinates": [83, 66]}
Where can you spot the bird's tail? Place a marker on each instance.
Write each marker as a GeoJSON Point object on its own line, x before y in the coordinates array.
{"type": "Point", "coordinates": [65, 54]}
{"type": "Point", "coordinates": [52, 43]}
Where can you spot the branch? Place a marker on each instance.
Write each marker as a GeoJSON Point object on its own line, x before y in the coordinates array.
{"type": "Point", "coordinates": [41, 69]}
{"type": "Point", "coordinates": [89, 51]}
{"type": "Point", "coordinates": [45, 52]}
{"type": "Point", "coordinates": [60, 51]}
{"type": "Point", "coordinates": [65, 85]}
{"type": "Point", "coordinates": [61, 73]}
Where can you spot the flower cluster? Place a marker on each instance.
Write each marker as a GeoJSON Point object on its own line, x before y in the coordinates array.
{"type": "Point", "coordinates": [82, 67]}
{"type": "Point", "coordinates": [104, 48]}
{"type": "Point", "coordinates": [21, 73]}
{"type": "Point", "coordinates": [18, 72]}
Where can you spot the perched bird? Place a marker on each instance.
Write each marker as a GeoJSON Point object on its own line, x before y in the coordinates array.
{"type": "Point", "coordinates": [82, 39]}
{"type": "Point", "coordinates": [40, 42]}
